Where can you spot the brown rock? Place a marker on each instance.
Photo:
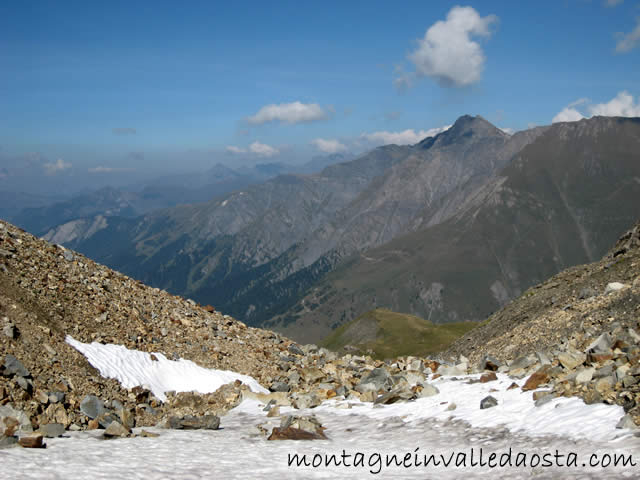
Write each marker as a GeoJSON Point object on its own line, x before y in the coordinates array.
{"type": "Point", "coordinates": [127, 417]}
{"type": "Point", "coordinates": [592, 396]}
{"type": "Point", "coordinates": [535, 380]}
{"type": "Point", "coordinates": [488, 377]}
{"type": "Point", "coordinates": [599, 357]}
{"type": "Point", "coordinates": [512, 386]}
{"type": "Point", "coordinates": [42, 397]}
{"type": "Point", "coordinates": [116, 429]}
{"type": "Point", "coordinates": [291, 433]}
{"type": "Point", "coordinates": [61, 387]}
{"type": "Point", "coordinates": [56, 413]}
{"type": "Point", "coordinates": [33, 440]}
{"type": "Point", "coordinates": [10, 426]}
{"type": "Point", "coordinates": [433, 365]}
{"type": "Point", "coordinates": [93, 424]}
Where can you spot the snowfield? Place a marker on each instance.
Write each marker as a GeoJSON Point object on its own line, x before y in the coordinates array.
{"type": "Point", "coordinates": [135, 368]}
{"type": "Point", "coordinates": [363, 438]}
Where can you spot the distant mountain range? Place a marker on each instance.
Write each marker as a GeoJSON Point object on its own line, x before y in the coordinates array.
{"type": "Point", "coordinates": [448, 229]}
{"type": "Point", "coordinates": [82, 213]}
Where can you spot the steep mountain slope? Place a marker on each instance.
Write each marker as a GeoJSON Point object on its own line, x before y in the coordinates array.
{"type": "Point", "coordinates": [468, 153]}
{"type": "Point", "coordinates": [214, 250]}
{"type": "Point", "coordinates": [257, 251]}
{"type": "Point", "coordinates": [562, 201]}
{"type": "Point", "coordinates": [571, 303]}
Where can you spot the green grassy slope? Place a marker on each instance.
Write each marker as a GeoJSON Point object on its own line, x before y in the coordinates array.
{"type": "Point", "coordinates": [386, 334]}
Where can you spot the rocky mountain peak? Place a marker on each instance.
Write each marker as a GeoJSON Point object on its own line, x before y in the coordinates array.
{"type": "Point", "coordinates": [467, 125]}
{"type": "Point", "coordinates": [465, 128]}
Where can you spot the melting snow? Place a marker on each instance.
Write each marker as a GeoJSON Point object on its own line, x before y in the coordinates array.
{"type": "Point", "coordinates": [133, 367]}
{"type": "Point", "coordinates": [422, 427]}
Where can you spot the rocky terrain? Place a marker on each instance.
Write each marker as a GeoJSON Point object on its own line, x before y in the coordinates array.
{"type": "Point", "coordinates": [576, 335]}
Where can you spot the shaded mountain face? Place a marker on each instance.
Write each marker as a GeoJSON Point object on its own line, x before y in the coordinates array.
{"type": "Point", "coordinates": [563, 200]}
{"type": "Point", "coordinates": [220, 249]}
{"type": "Point", "coordinates": [575, 301]}
{"type": "Point", "coordinates": [254, 253]}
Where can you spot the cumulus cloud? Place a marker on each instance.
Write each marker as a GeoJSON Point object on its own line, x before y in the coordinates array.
{"type": "Point", "coordinates": [256, 148]}
{"type": "Point", "coordinates": [629, 41]}
{"type": "Point", "coordinates": [235, 150]}
{"type": "Point", "coordinates": [622, 105]}
{"type": "Point", "coordinates": [263, 150]}
{"type": "Point", "coordinates": [101, 169]}
{"type": "Point", "coordinates": [567, 114]}
{"type": "Point", "coordinates": [124, 131]}
{"type": "Point", "coordinates": [405, 137]}
{"type": "Point", "coordinates": [448, 53]}
{"type": "Point", "coordinates": [56, 167]}
{"type": "Point", "coordinates": [329, 145]}
{"type": "Point", "coordinates": [291, 113]}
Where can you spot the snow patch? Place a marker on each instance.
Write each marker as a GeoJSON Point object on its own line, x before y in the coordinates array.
{"type": "Point", "coordinates": [135, 368]}
{"type": "Point", "coordinates": [516, 410]}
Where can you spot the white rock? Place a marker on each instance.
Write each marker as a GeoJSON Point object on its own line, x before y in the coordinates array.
{"type": "Point", "coordinates": [585, 375]}
{"type": "Point", "coordinates": [614, 287]}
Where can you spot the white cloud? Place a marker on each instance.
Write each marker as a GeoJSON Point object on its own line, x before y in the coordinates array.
{"type": "Point", "coordinates": [58, 166]}
{"type": "Point", "coordinates": [256, 148]}
{"type": "Point", "coordinates": [405, 137]}
{"type": "Point", "coordinates": [629, 41]}
{"type": "Point", "coordinates": [612, 3]}
{"type": "Point", "coordinates": [328, 146]}
{"type": "Point", "coordinates": [101, 169]}
{"type": "Point", "coordinates": [295, 112]}
{"type": "Point", "coordinates": [448, 53]}
{"type": "Point", "coordinates": [263, 150]}
{"type": "Point", "coordinates": [567, 114]}
{"type": "Point", "coordinates": [235, 150]}
{"type": "Point", "coordinates": [622, 105]}
{"type": "Point", "coordinates": [508, 130]}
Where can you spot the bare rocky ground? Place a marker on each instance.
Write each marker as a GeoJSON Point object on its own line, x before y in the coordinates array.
{"type": "Point", "coordinates": [575, 335]}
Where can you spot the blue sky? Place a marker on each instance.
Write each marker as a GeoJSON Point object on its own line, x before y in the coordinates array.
{"type": "Point", "coordinates": [158, 85]}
